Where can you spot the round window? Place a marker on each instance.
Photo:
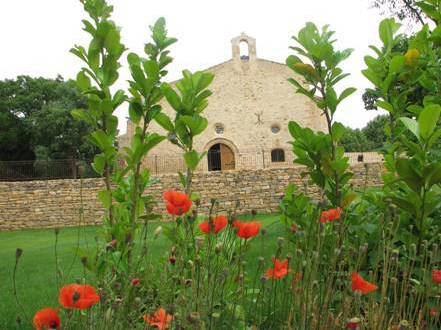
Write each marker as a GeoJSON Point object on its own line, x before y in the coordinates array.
{"type": "Point", "coordinates": [275, 128]}
{"type": "Point", "coordinates": [219, 128]}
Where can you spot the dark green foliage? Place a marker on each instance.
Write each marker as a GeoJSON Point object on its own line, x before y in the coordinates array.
{"type": "Point", "coordinates": [36, 122]}
{"type": "Point", "coordinates": [372, 137]}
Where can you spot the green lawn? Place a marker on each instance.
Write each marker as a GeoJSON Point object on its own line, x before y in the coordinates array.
{"type": "Point", "coordinates": [36, 280]}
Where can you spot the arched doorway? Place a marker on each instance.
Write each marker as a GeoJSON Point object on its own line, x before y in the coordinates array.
{"type": "Point", "coordinates": [220, 158]}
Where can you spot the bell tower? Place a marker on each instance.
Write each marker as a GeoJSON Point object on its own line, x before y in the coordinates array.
{"type": "Point", "coordinates": [248, 56]}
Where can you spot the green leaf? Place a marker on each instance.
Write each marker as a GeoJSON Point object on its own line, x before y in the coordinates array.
{"type": "Point", "coordinates": [164, 121]}
{"type": "Point", "coordinates": [135, 112]}
{"type": "Point", "coordinates": [338, 130]}
{"type": "Point", "coordinates": [347, 92]}
{"type": "Point", "coordinates": [99, 161]}
{"type": "Point", "coordinates": [80, 114]}
{"type": "Point", "coordinates": [411, 125]}
{"type": "Point", "coordinates": [83, 81]}
{"type": "Point", "coordinates": [196, 123]}
{"type": "Point", "coordinates": [105, 197]}
{"type": "Point", "coordinates": [171, 96]}
{"type": "Point", "coordinates": [428, 120]}
{"type": "Point", "coordinates": [385, 105]}
{"type": "Point", "coordinates": [396, 64]}
{"type": "Point", "coordinates": [408, 174]}
{"type": "Point", "coordinates": [191, 159]}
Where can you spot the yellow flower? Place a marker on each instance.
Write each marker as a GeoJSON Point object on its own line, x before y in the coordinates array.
{"type": "Point", "coordinates": [412, 56]}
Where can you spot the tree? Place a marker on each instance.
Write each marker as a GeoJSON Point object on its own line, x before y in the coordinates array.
{"type": "Point", "coordinates": [374, 132]}
{"type": "Point", "coordinates": [401, 9]}
{"type": "Point", "coordinates": [35, 120]}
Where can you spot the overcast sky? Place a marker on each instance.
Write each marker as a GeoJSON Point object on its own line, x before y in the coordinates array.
{"type": "Point", "coordinates": [37, 35]}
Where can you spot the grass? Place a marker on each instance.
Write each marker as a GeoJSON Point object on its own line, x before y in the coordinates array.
{"type": "Point", "coordinates": [36, 273]}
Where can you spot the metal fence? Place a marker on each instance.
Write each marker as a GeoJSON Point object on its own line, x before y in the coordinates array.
{"type": "Point", "coordinates": [158, 164]}
{"type": "Point", "coordinates": [276, 158]}
{"type": "Point", "coordinates": [45, 170]}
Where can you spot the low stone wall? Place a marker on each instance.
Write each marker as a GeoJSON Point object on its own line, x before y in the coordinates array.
{"type": "Point", "coordinates": [58, 203]}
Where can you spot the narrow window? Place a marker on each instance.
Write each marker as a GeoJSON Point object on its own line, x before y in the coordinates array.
{"type": "Point", "coordinates": [244, 51]}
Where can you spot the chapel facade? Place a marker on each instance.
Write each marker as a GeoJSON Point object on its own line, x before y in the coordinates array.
{"type": "Point", "coordinates": [248, 116]}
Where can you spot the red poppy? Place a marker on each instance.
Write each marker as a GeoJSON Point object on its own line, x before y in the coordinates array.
{"type": "Point", "coordinates": [361, 285]}
{"type": "Point", "coordinates": [177, 203]}
{"type": "Point", "coordinates": [46, 318]}
{"type": "Point", "coordinates": [78, 296]}
{"type": "Point", "coordinates": [136, 281]}
{"type": "Point", "coordinates": [436, 276]}
{"type": "Point", "coordinates": [247, 229]}
{"type": "Point", "coordinates": [331, 215]}
{"type": "Point", "coordinates": [160, 319]}
{"type": "Point", "coordinates": [216, 226]}
{"type": "Point", "coordinates": [279, 271]}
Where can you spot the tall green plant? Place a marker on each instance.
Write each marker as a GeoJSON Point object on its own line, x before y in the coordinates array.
{"type": "Point", "coordinates": [413, 177]}
{"type": "Point", "coordinates": [101, 60]}
{"type": "Point", "coordinates": [318, 66]}
{"type": "Point", "coordinates": [188, 102]}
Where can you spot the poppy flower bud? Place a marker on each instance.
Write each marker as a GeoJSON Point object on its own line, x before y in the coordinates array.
{"type": "Point", "coordinates": [280, 241]}
{"type": "Point", "coordinates": [193, 317]}
{"type": "Point", "coordinates": [173, 250]}
{"type": "Point", "coordinates": [188, 282]}
{"type": "Point", "coordinates": [136, 281]}
{"type": "Point", "coordinates": [364, 248]}
{"type": "Point", "coordinates": [84, 261]}
{"type": "Point", "coordinates": [263, 279]}
{"type": "Point", "coordinates": [225, 271]}
{"type": "Point", "coordinates": [293, 228]}
{"type": "Point", "coordinates": [18, 253]}
{"type": "Point", "coordinates": [157, 231]}
{"type": "Point", "coordinates": [190, 263]}
{"type": "Point", "coordinates": [137, 301]}
{"type": "Point", "coordinates": [108, 314]}
{"type": "Point", "coordinates": [18, 320]}
{"type": "Point", "coordinates": [172, 260]}
{"type": "Point", "coordinates": [404, 324]}
{"type": "Point", "coordinates": [263, 232]}
{"type": "Point", "coordinates": [128, 238]}
{"type": "Point", "coordinates": [288, 257]}
{"type": "Point", "coordinates": [117, 286]}
{"type": "Point", "coordinates": [111, 245]}
{"type": "Point", "coordinates": [57, 231]}
{"type": "Point", "coordinates": [218, 248]}
{"type": "Point", "coordinates": [261, 261]}
{"type": "Point", "coordinates": [394, 280]}
{"type": "Point", "coordinates": [199, 241]}
{"type": "Point", "coordinates": [197, 259]}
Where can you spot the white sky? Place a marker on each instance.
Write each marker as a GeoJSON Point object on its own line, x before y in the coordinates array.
{"type": "Point", "coordinates": [37, 35]}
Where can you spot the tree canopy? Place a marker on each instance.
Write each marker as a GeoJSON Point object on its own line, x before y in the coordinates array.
{"type": "Point", "coordinates": [35, 120]}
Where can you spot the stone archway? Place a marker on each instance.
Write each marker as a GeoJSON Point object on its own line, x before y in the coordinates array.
{"type": "Point", "coordinates": [220, 155]}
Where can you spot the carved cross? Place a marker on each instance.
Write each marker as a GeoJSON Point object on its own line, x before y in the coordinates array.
{"type": "Point", "coordinates": [259, 118]}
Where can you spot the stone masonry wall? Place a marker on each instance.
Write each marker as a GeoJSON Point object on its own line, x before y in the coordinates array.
{"type": "Point", "coordinates": [57, 203]}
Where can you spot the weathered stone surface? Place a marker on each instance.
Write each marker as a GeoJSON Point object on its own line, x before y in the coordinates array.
{"type": "Point", "coordinates": [57, 203]}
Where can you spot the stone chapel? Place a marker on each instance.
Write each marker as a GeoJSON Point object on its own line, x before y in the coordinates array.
{"type": "Point", "coordinates": [248, 115]}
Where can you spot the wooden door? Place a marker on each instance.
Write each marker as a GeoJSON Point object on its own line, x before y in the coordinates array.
{"type": "Point", "coordinates": [227, 158]}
